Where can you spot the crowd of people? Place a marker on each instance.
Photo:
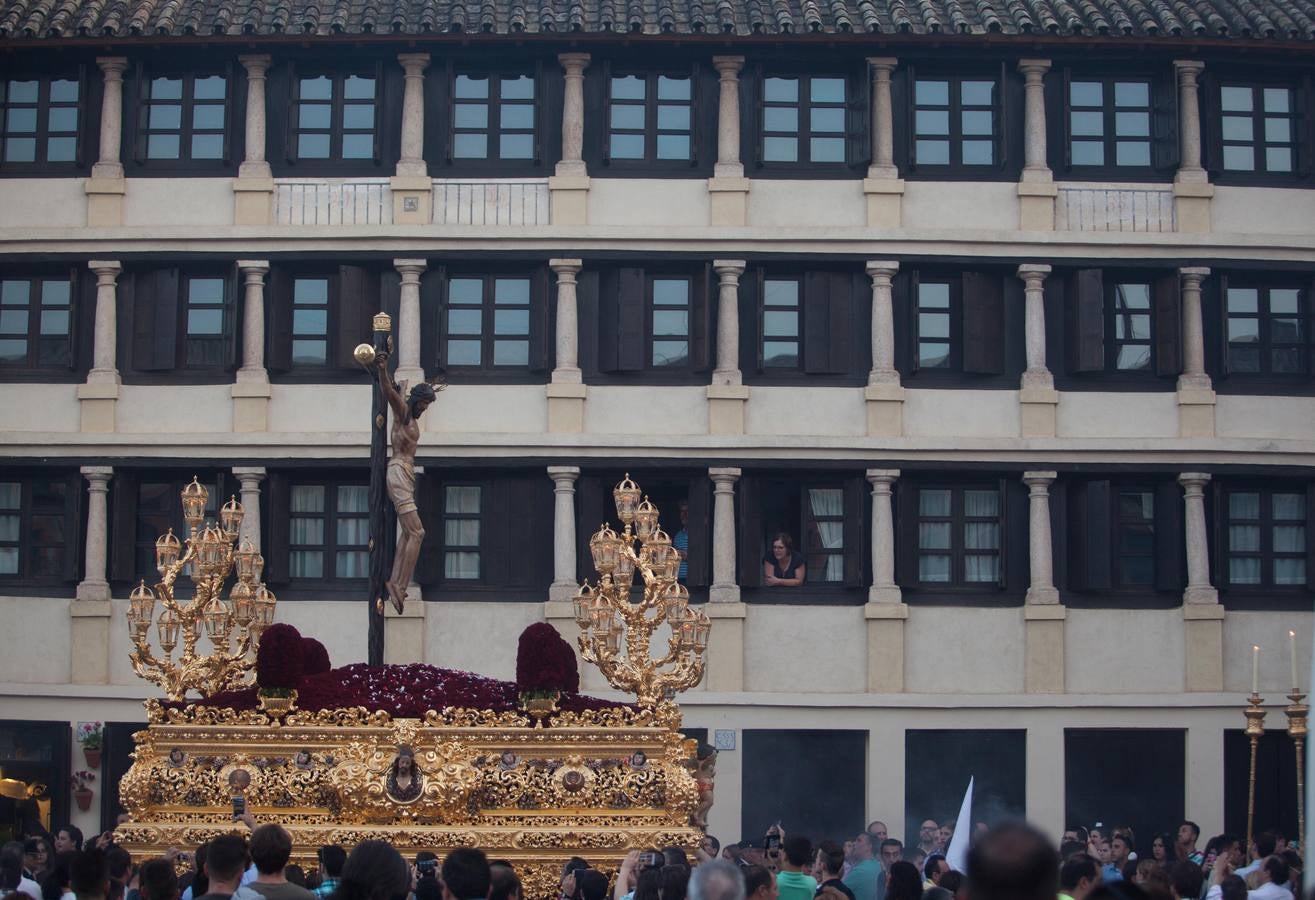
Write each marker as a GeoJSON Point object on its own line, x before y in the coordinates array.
{"type": "Point", "coordinates": [1010, 861]}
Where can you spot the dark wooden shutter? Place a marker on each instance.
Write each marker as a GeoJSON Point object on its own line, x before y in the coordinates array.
{"type": "Point", "coordinates": [752, 92]}
{"type": "Point", "coordinates": [604, 132]}
{"type": "Point", "coordinates": [750, 532]}
{"type": "Point", "coordinates": [1304, 127]}
{"type": "Point", "coordinates": [1170, 538]}
{"type": "Point", "coordinates": [429, 503]}
{"type": "Point", "coordinates": [1164, 124]}
{"type": "Point", "coordinates": [275, 546]}
{"type": "Point", "coordinates": [1015, 563]}
{"type": "Point", "coordinates": [704, 289]}
{"type": "Point", "coordinates": [78, 307]}
{"type": "Point", "coordinates": [699, 561]}
{"type": "Point", "coordinates": [858, 119]}
{"type": "Point", "coordinates": [1168, 326]}
{"type": "Point", "coordinates": [983, 317]}
{"type": "Point", "coordinates": [357, 298]}
{"type": "Point", "coordinates": [1212, 141]}
{"type": "Point", "coordinates": [749, 308]}
{"type": "Point", "coordinates": [1086, 321]}
{"type": "Point", "coordinates": [278, 320]}
{"type": "Point", "coordinates": [71, 564]}
{"type": "Point", "coordinates": [155, 321]}
{"type": "Point", "coordinates": [379, 99]}
{"type": "Point", "coordinates": [282, 111]}
{"type": "Point", "coordinates": [1065, 118]}
{"type": "Point", "coordinates": [234, 317]}
{"type": "Point", "coordinates": [906, 533]}
{"type": "Point", "coordinates": [1220, 323]}
{"type": "Point", "coordinates": [854, 536]}
{"type": "Point", "coordinates": [79, 141]}
{"type": "Point", "coordinates": [826, 322]}
{"type": "Point", "coordinates": [543, 330]}
{"type": "Point", "coordinates": [840, 332]}
{"type": "Point", "coordinates": [123, 530]}
{"type": "Point", "coordinates": [621, 314]}
{"type": "Point", "coordinates": [1002, 133]}
{"type": "Point", "coordinates": [591, 506]}
{"type": "Point", "coordinates": [1093, 535]}
{"type": "Point", "coordinates": [1310, 535]}
{"type": "Point", "coordinates": [433, 284]}
{"type": "Point", "coordinates": [136, 138]}
{"type": "Point", "coordinates": [541, 110]}
{"type": "Point", "coordinates": [910, 119]}
{"type": "Point", "coordinates": [496, 538]}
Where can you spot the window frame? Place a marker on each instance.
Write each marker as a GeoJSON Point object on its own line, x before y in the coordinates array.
{"type": "Point", "coordinates": [957, 550]}
{"type": "Point", "coordinates": [651, 131]}
{"type": "Point", "coordinates": [39, 166]}
{"type": "Point", "coordinates": [479, 549]}
{"type": "Point", "coordinates": [761, 311]}
{"type": "Point", "coordinates": [331, 547]}
{"type": "Point", "coordinates": [1296, 117]}
{"type": "Point", "coordinates": [36, 282]}
{"type": "Point", "coordinates": [1117, 523]}
{"type": "Point", "coordinates": [70, 551]}
{"type": "Point", "coordinates": [1110, 170]}
{"type": "Point", "coordinates": [493, 132]}
{"type": "Point", "coordinates": [227, 322]}
{"type": "Point", "coordinates": [804, 105]}
{"type": "Point", "coordinates": [334, 163]}
{"type": "Point", "coordinates": [954, 364]}
{"type": "Point", "coordinates": [1264, 342]}
{"type": "Point", "coordinates": [141, 130]}
{"type": "Point", "coordinates": [488, 336]}
{"type": "Point", "coordinates": [956, 168]}
{"type": "Point", "coordinates": [1113, 343]}
{"type": "Point", "coordinates": [651, 309]}
{"type": "Point", "coordinates": [218, 485]}
{"type": "Point", "coordinates": [1264, 592]}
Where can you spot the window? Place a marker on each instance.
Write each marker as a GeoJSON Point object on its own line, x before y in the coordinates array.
{"type": "Point", "coordinates": [37, 528]}
{"type": "Point", "coordinates": [650, 118]}
{"type": "Point", "coordinates": [158, 509]}
{"type": "Point", "coordinates": [493, 117]}
{"type": "Point", "coordinates": [954, 122]}
{"type": "Point", "coordinates": [1124, 541]}
{"type": "Point", "coordinates": [959, 532]}
{"type": "Point", "coordinates": [1109, 122]}
{"type": "Point", "coordinates": [329, 531]}
{"type": "Point", "coordinates": [206, 341]}
{"type": "Point", "coordinates": [487, 322]}
{"type": "Point", "coordinates": [1266, 538]}
{"type": "Point", "coordinates": [1135, 538]}
{"type": "Point", "coordinates": [183, 319]}
{"type": "Point", "coordinates": [315, 318]}
{"type": "Point", "coordinates": [1130, 324]}
{"type": "Point", "coordinates": [803, 119]}
{"type": "Point", "coordinates": [670, 328]}
{"type": "Point", "coordinates": [824, 531]}
{"type": "Point", "coordinates": [824, 520]}
{"type": "Point", "coordinates": [462, 512]}
{"type": "Point", "coordinates": [933, 325]}
{"type": "Point", "coordinates": [648, 321]}
{"type": "Point", "coordinates": [1266, 330]}
{"type": "Point", "coordinates": [183, 117]}
{"type": "Point", "coordinates": [780, 323]}
{"type": "Point", "coordinates": [953, 324]}
{"type": "Point", "coordinates": [336, 117]}
{"type": "Point", "coordinates": [310, 321]}
{"type": "Point", "coordinates": [1123, 326]}
{"type": "Point", "coordinates": [1258, 128]}
{"type": "Point", "coordinates": [36, 322]}
{"type": "Point", "coordinates": [39, 120]}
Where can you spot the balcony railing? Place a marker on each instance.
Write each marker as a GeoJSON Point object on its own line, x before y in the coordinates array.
{"type": "Point", "coordinates": [328, 201]}
{"type": "Point", "coordinates": [464, 202]}
{"type": "Point", "coordinates": [1109, 208]}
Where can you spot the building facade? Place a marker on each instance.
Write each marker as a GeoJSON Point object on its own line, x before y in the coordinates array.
{"type": "Point", "coordinates": [1002, 315]}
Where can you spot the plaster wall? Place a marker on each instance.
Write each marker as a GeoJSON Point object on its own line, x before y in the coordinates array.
{"type": "Point", "coordinates": [489, 408]}
{"type": "Point", "coordinates": [777, 203]}
{"type": "Point", "coordinates": [37, 644]}
{"type": "Point", "coordinates": [307, 407]}
{"type": "Point", "coordinates": [1268, 631]}
{"type": "Point", "coordinates": [645, 202]}
{"type": "Point", "coordinates": [47, 202]}
{"type": "Point", "coordinates": [477, 636]}
{"type": "Point", "coordinates": [39, 407]}
{"type": "Point", "coordinates": [178, 201]}
{"type": "Point", "coordinates": [1246, 210]}
{"type": "Point", "coordinates": [1093, 414]}
{"type": "Point", "coordinates": [1291, 418]}
{"type": "Point", "coordinates": [956, 414]}
{"type": "Point", "coordinates": [200, 408]}
{"type": "Point", "coordinates": [805, 411]}
{"type": "Point", "coordinates": [646, 410]}
{"type": "Point", "coordinates": [963, 650]}
{"type": "Point", "coordinates": [960, 205]}
{"type": "Point", "coordinates": [805, 649]}
{"type": "Point", "coordinates": [1123, 651]}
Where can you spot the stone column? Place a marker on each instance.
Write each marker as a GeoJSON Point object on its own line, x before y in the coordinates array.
{"type": "Point", "coordinates": [91, 612]}
{"type": "Point", "coordinates": [97, 398]}
{"type": "Point", "coordinates": [1037, 396]}
{"type": "Point", "coordinates": [569, 186]}
{"type": "Point", "coordinates": [885, 612]}
{"type": "Point", "coordinates": [1196, 396]}
{"type": "Point", "coordinates": [728, 188]}
{"type": "Point", "coordinates": [1203, 616]}
{"type": "Point", "coordinates": [105, 187]}
{"type": "Point", "coordinates": [249, 477]}
{"type": "Point", "coordinates": [883, 187]}
{"type": "Point", "coordinates": [726, 645]}
{"type": "Point", "coordinates": [564, 585]}
{"type": "Point", "coordinates": [409, 368]}
{"type": "Point", "coordinates": [251, 390]}
{"type": "Point", "coordinates": [411, 188]}
{"type": "Point", "coordinates": [566, 392]}
{"type": "Point", "coordinates": [1043, 617]}
{"type": "Point", "coordinates": [727, 395]}
{"type": "Point", "coordinates": [884, 397]}
{"type": "Point", "coordinates": [253, 189]}
{"type": "Point", "coordinates": [1036, 189]}
{"type": "Point", "coordinates": [1192, 191]}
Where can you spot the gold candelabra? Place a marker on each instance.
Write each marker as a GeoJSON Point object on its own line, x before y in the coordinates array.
{"type": "Point", "coordinates": [212, 553]}
{"type": "Point", "coordinates": [616, 632]}
{"type": "Point", "coordinates": [1255, 715]}
{"type": "Point", "coordinates": [1297, 712]}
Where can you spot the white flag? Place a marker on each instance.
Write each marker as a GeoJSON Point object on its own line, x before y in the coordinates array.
{"type": "Point", "coordinates": [957, 853]}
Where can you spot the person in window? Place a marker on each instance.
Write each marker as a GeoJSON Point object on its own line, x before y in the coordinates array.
{"type": "Point", "coordinates": [782, 567]}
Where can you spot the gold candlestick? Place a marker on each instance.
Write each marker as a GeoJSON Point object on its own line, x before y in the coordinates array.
{"type": "Point", "coordinates": [1255, 728]}
{"type": "Point", "coordinates": [1297, 712]}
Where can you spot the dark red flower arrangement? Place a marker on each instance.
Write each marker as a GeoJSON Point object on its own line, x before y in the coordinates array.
{"type": "Point", "coordinates": [279, 662]}
{"type": "Point", "coordinates": [545, 662]}
{"type": "Point", "coordinates": [314, 656]}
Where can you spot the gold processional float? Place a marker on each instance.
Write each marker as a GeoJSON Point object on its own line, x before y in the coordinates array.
{"type": "Point", "coordinates": [421, 757]}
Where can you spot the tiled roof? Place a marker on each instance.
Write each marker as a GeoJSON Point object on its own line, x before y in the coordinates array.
{"type": "Point", "coordinates": [1275, 19]}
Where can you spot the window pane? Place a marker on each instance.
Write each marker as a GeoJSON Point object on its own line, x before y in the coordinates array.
{"type": "Point", "coordinates": [13, 321]}
{"type": "Point", "coordinates": [306, 564]}
{"type": "Point", "coordinates": [631, 117]}
{"type": "Point", "coordinates": [781, 324]}
{"type": "Point", "coordinates": [205, 290]}
{"type": "Point", "coordinates": [9, 528]}
{"type": "Point", "coordinates": [1243, 330]}
{"type": "Point", "coordinates": [1244, 538]}
{"type": "Point", "coordinates": [934, 503]}
{"type": "Point", "coordinates": [306, 531]}
{"type": "Point", "coordinates": [353, 531]}
{"type": "Point", "coordinates": [1129, 326]}
{"type": "Point", "coordinates": [520, 87]}
{"type": "Point", "coordinates": [933, 355]}
{"type": "Point", "coordinates": [673, 88]}
{"type": "Point", "coordinates": [209, 88]}
{"type": "Point", "coordinates": [1289, 507]}
{"type": "Point", "coordinates": [778, 149]}
{"type": "Point", "coordinates": [932, 93]}
{"type": "Point", "coordinates": [1132, 124]}
{"type": "Point", "coordinates": [461, 532]}
{"type": "Point", "coordinates": [465, 290]}
{"type": "Point", "coordinates": [781, 293]}
{"type": "Point", "coordinates": [977, 122]}
{"type": "Point", "coordinates": [310, 321]}
{"type": "Point", "coordinates": [1289, 571]}
{"type": "Point", "coordinates": [670, 353]}
{"type": "Point", "coordinates": [511, 321]}
{"type": "Point", "coordinates": [933, 121]}
{"type": "Point", "coordinates": [461, 499]}
{"type": "Point", "coordinates": [827, 90]}
{"type": "Point", "coordinates": [14, 293]}
{"type": "Point", "coordinates": [1290, 539]}
{"type": "Point", "coordinates": [1087, 124]}
{"type": "Point", "coordinates": [464, 321]}
{"type": "Point", "coordinates": [1278, 131]}
{"type": "Point", "coordinates": [978, 153]}
{"type": "Point", "coordinates": [933, 325]}
{"type": "Point", "coordinates": [307, 499]}
{"type": "Point", "coordinates": [313, 146]}
{"type": "Point", "coordinates": [471, 115]}
{"type": "Point", "coordinates": [827, 149]}
{"type": "Point", "coordinates": [205, 322]}
{"type": "Point", "coordinates": [472, 86]}
{"type": "Point", "coordinates": [673, 146]}
{"type": "Point", "coordinates": [61, 91]}
{"type": "Point", "coordinates": [353, 564]}
{"type": "Point", "coordinates": [11, 494]}
{"type": "Point", "coordinates": [981, 503]}
{"type": "Point", "coordinates": [933, 568]}
{"type": "Point", "coordinates": [780, 353]}
{"type": "Point", "coordinates": [1278, 159]}
{"type": "Point", "coordinates": [1278, 100]}
{"type": "Point", "coordinates": [357, 146]}
{"type": "Point", "coordinates": [165, 116]}
{"type": "Point", "coordinates": [932, 153]}
{"type": "Point", "coordinates": [309, 352]}
{"type": "Point", "coordinates": [1284, 300]}
{"type": "Point", "coordinates": [319, 88]}
{"type": "Point", "coordinates": [981, 569]}
{"type": "Point", "coordinates": [781, 118]}
{"type": "Point", "coordinates": [1243, 300]}
{"type": "Point", "coordinates": [1236, 99]}
{"type": "Point", "coordinates": [1241, 159]}
{"type": "Point", "coordinates": [313, 115]}
{"type": "Point", "coordinates": [207, 146]}
{"type": "Point", "coordinates": [1132, 93]}
{"type": "Point", "coordinates": [65, 118]}
{"type": "Point", "coordinates": [166, 89]}
{"type": "Point", "coordinates": [357, 87]}
{"type": "Point", "coordinates": [461, 565]}
{"type": "Point", "coordinates": [1133, 359]}
{"type": "Point", "coordinates": [54, 322]}
{"type": "Point", "coordinates": [353, 499]}
{"type": "Point", "coordinates": [1137, 570]}
{"type": "Point", "coordinates": [628, 87]}
{"type": "Point", "coordinates": [520, 115]}
{"type": "Point", "coordinates": [163, 146]}
{"type": "Point", "coordinates": [1244, 505]}
{"type": "Point", "coordinates": [673, 118]}
{"type": "Point", "coordinates": [627, 146]}
{"type": "Point", "coordinates": [981, 536]}
{"type": "Point", "coordinates": [62, 149]}
{"type": "Point", "coordinates": [670, 292]}
{"type": "Point", "coordinates": [781, 90]}
{"type": "Point", "coordinates": [470, 146]}
{"type": "Point", "coordinates": [463, 353]}
{"type": "Point", "coordinates": [511, 290]}
{"type": "Point", "coordinates": [511, 353]}
{"type": "Point", "coordinates": [357, 116]}
{"type": "Point", "coordinates": [1132, 153]}
{"type": "Point", "coordinates": [1086, 93]}
{"type": "Point", "coordinates": [1238, 128]}
{"type": "Point", "coordinates": [1244, 570]}
{"type": "Point", "coordinates": [978, 93]}
{"type": "Point", "coordinates": [516, 146]}
{"type": "Point", "coordinates": [670, 322]}
{"type": "Point", "coordinates": [934, 535]}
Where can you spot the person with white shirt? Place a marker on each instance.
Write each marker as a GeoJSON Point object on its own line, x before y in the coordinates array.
{"type": "Point", "coordinates": [11, 872]}
{"type": "Point", "coordinates": [1272, 871]}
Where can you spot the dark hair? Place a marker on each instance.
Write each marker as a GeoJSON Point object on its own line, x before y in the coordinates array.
{"type": "Point", "coordinates": [271, 847]}
{"type": "Point", "coordinates": [1293, 859]}
{"type": "Point", "coordinates": [785, 540]}
{"type": "Point", "coordinates": [1196, 829]}
{"type": "Point", "coordinates": [56, 880]}
{"type": "Point", "coordinates": [120, 862]}
{"type": "Point", "coordinates": [1186, 878]}
{"type": "Point", "coordinates": [832, 856]}
{"type": "Point", "coordinates": [1170, 847]}
{"type": "Point", "coordinates": [591, 884]}
{"type": "Point", "coordinates": [158, 880]}
{"type": "Point", "coordinates": [952, 881]}
{"type": "Point", "coordinates": [332, 857]}
{"type": "Point", "coordinates": [755, 879]}
{"type": "Point", "coordinates": [673, 883]}
{"type": "Point", "coordinates": [422, 391]}
{"type": "Point", "coordinates": [1080, 831]}
{"type": "Point", "coordinates": [503, 881]}
{"type": "Point", "coordinates": [1276, 869]}
{"type": "Point", "coordinates": [89, 874]}
{"type": "Point", "coordinates": [716, 844]}
{"type": "Point", "coordinates": [648, 886]}
{"type": "Point", "coordinates": [373, 871]}
{"type": "Point", "coordinates": [575, 863]}
{"type": "Point", "coordinates": [903, 882]}
{"type": "Point", "coordinates": [1069, 849]}
{"type": "Point", "coordinates": [1232, 887]}
{"type": "Point", "coordinates": [798, 850]}
{"type": "Point", "coordinates": [1012, 861]}
{"type": "Point", "coordinates": [11, 866]}
{"type": "Point", "coordinates": [1265, 843]}
{"type": "Point", "coordinates": [74, 833]}
{"type": "Point", "coordinates": [295, 874]}
{"type": "Point", "coordinates": [1118, 890]}
{"type": "Point", "coordinates": [226, 858]}
{"type": "Point", "coordinates": [675, 856]}
{"type": "Point", "coordinates": [892, 842]}
{"type": "Point", "coordinates": [200, 880]}
{"type": "Point", "coordinates": [428, 889]}
{"type": "Point", "coordinates": [466, 873]}
{"type": "Point", "coordinates": [929, 866]}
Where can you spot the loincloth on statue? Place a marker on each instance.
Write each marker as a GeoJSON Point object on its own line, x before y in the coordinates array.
{"type": "Point", "coordinates": [401, 483]}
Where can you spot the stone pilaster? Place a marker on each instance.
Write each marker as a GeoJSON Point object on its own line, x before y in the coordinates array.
{"type": "Point", "coordinates": [885, 612]}
{"type": "Point", "coordinates": [90, 613]}
{"type": "Point", "coordinates": [1203, 616]}
{"type": "Point", "coordinates": [251, 390]}
{"type": "Point", "coordinates": [411, 187]}
{"type": "Point", "coordinates": [883, 187]}
{"type": "Point", "coordinates": [1043, 617]}
{"type": "Point", "coordinates": [728, 188]}
{"type": "Point", "coordinates": [409, 369]}
{"type": "Point", "coordinates": [253, 189]}
{"type": "Point", "coordinates": [106, 186]}
{"type": "Point", "coordinates": [249, 477]}
{"type": "Point", "coordinates": [1196, 396]}
{"type": "Point", "coordinates": [94, 584]}
{"type": "Point", "coordinates": [1199, 589]}
{"type": "Point", "coordinates": [1036, 188]}
{"type": "Point", "coordinates": [883, 396]}
{"type": "Point", "coordinates": [564, 585]}
{"type": "Point", "coordinates": [1192, 191]}
{"type": "Point", "coordinates": [566, 392]}
{"type": "Point", "coordinates": [569, 185]}
{"type": "Point", "coordinates": [99, 396]}
{"type": "Point", "coordinates": [725, 671]}
{"type": "Point", "coordinates": [727, 395]}
{"type": "Point", "coordinates": [1037, 397]}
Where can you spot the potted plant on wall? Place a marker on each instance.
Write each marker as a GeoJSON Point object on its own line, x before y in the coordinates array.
{"type": "Point", "coordinates": [82, 789]}
{"type": "Point", "coordinates": [90, 736]}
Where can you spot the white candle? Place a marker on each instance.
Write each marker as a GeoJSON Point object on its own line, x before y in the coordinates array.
{"type": "Point", "coordinates": [1255, 668]}
{"type": "Point", "coordinates": [1292, 657]}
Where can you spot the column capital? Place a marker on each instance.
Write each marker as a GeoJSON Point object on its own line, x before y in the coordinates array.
{"type": "Point", "coordinates": [104, 267]}
{"type": "Point", "coordinates": [97, 474]}
{"type": "Point", "coordinates": [566, 266]}
{"type": "Point", "coordinates": [1034, 270]}
{"type": "Point", "coordinates": [1194, 482]}
{"type": "Point", "coordinates": [726, 267]}
{"type": "Point", "coordinates": [257, 266]}
{"type": "Point", "coordinates": [882, 476]}
{"type": "Point", "coordinates": [412, 267]}
{"type": "Point", "coordinates": [563, 474]}
{"type": "Point", "coordinates": [1194, 274]}
{"type": "Point", "coordinates": [881, 268]}
{"type": "Point", "coordinates": [1042, 480]}
{"type": "Point", "coordinates": [722, 475]}
{"type": "Point", "coordinates": [574, 63]}
{"type": "Point", "coordinates": [1034, 67]}
{"type": "Point", "coordinates": [113, 66]}
{"type": "Point", "coordinates": [244, 472]}
{"type": "Point", "coordinates": [413, 63]}
{"type": "Point", "coordinates": [1188, 69]}
{"type": "Point", "coordinates": [885, 64]}
{"type": "Point", "coordinates": [256, 64]}
{"type": "Point", "coordinates": [728, 66]}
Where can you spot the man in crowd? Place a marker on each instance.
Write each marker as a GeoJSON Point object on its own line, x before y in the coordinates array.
{"type": "Point", "coordinates": [792, 883]}
{"type": "Point", "coordinates": [828, 866]}
{"type": "Point", "coordinates": [1119, 850]}
{"type": "Point", "coordinates": [225, 861]}
{"type": "Point", "coordinates": [878, 831]}
{"type": "Point", "coordinates": [933, 869]}
{"type": "Point", "coordinates": [1273, 875]}
{"type": "Point", "coordinates": [1262, 847]}
{"type": "Point", "coordinates": [1012, 861]}
{"type": "Point", "coordinates": [1188, 834]}
{"type": "Point", "coordinates": [946, 835]}
{"type": "Point", "coordinates": [1186, 880]}
{"type": "Point", "coordinates": [892, 851]}
{"type": "Point", "coordinates": [331, 857]}
{"type": "Point", "coordinates": [716, 881]}
{"type": "Point", "coordinates": [89, 875]}
{"type": "Point", "coordinates": [271, 847]}
{"type": "Point", "coordinates": [68, 838]}
{"type": "Point", "coordinates": [157, 880]}
{"type": "Point", "coordinates": [866, 880]}
{"type": "Point", "coordinates": [929, 834]}
{"type": "Point", "coordinates": [465, 875]}
{"type": "Point", "coordinates": [1078, 877]}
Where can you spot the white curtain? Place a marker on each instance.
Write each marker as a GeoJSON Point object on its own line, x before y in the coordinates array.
{"type": "Point", "coordinates": [829, 503]}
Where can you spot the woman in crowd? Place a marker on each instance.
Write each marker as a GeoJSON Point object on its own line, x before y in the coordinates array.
{"type": "Point", "coordinates": [903, 882]}
{"type": "Point", "coordinates": [373, 871]}
{"type": "Point", "coordinates": [1162, 850]}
